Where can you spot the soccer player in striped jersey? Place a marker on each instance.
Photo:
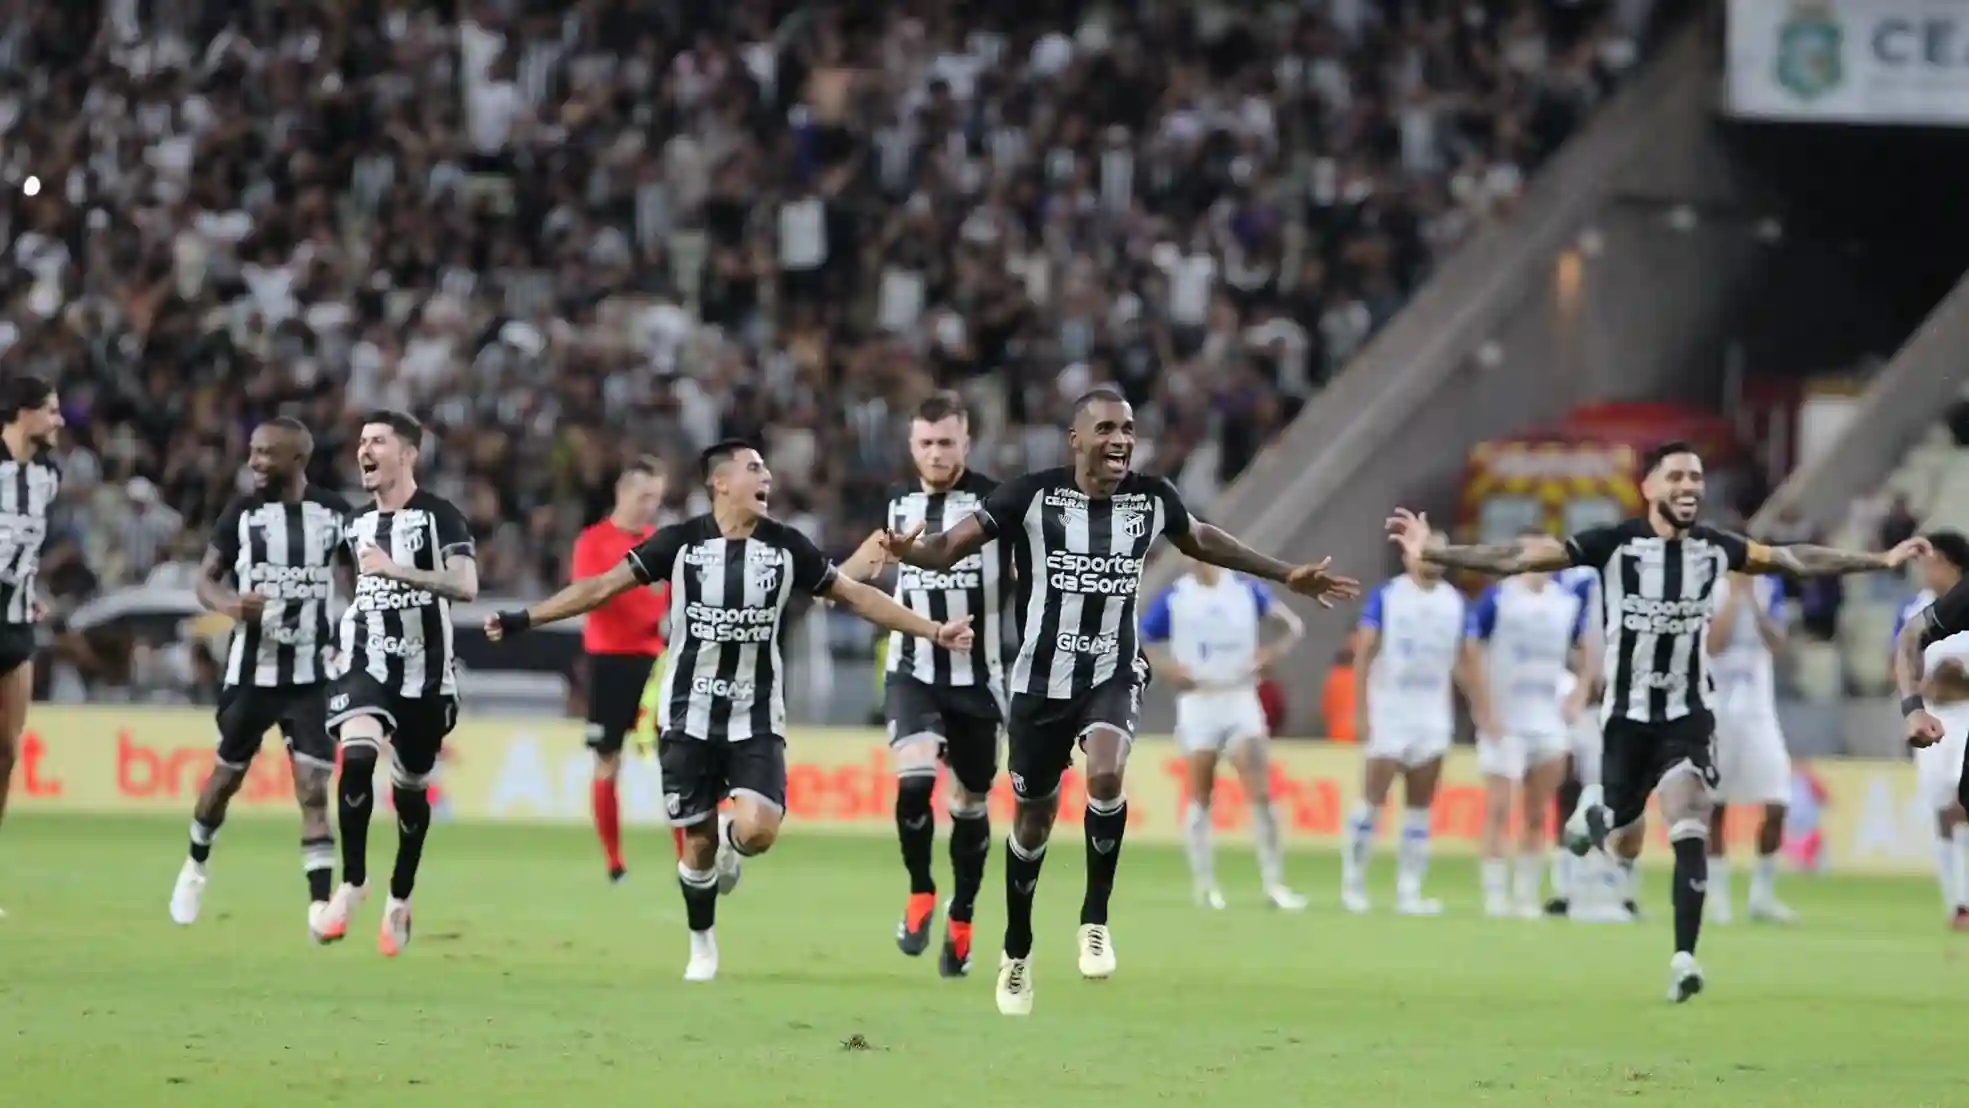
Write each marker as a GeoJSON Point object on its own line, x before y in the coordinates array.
{"type": "Point", "coordinates": [722, 723]}
{"type": "Point", "coordinates": [414, 559]}
{"type": "Point", "coordinates": [28, 484]}
{"type": "Point", "coordinates": [271, 566]}
{"type": "Point", "coordinates": [1080, 535]}
{"type": "Point", "coordinates": [1945, 688]}
{"type": "Point", "coordinates": [1657, 573]}
{"type": "Point", "coordinates": [942, 705]}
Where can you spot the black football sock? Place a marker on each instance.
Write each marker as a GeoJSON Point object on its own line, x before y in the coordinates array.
{"type": "Point", "coordinates": [970, 845]}
{"type": "Point", "coordinates": [202, 836]}
{"type": "Point", "coordinates": [1104, 823]}
{"type": "Point", "coordinates": [318, 862]}
{"type": "Point", "coordinates": [1691, 889]}
{"type": "Point", "coordinates": [413, 823]}
{"type": "Point", "coordinates": [355, 802]}
{"type": "Point", "coordinates": [916, 830]}
{"type": "Point", "coordinates": [700, 889]}
{"type": "Point", "coordinates": [1021, 882]}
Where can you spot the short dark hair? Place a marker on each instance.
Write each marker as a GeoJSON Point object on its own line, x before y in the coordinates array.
{"type": "Point", "coordinates": [1098, 394]}
{"type": "Point", "coordinates": [288, 424]}
{"type": "Point", "coordinates": [718, 453]}
{"type": "Point", "coordinates": [941, 405]}
{"type": "Point", "coordinates": [1660, 453]}
{"type": "Point", "coordinates": [648, 465]}
{"type": "Point", "coordinates": [24, 393]}
{"type": "Point", "coordinates": [1952, 546]}
{"type": "Point", "coordinates": [403, 424]}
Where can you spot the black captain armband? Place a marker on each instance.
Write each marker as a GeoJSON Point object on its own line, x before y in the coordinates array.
{"type": "Point", "coordinates": [1912, 704]}
{"type": "Point", "coordinates": [514, 623]}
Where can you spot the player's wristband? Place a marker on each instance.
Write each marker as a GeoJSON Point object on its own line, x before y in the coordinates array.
{"type": "Point", "coordinates": [1912, 704]}
{"type": "Point", "coordinates": [514, 623]}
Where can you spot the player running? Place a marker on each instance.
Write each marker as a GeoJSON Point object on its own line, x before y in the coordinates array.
{"type": "Point", "coordinates": [28, 484]}
{"type": "Point", "coordinates": [1657, 574]}
{"type": "Point", "coordinates": [271, 567]}
{"type": "Point", "coordinates": [1204, 633]}
{"type": "Point", "coordinates": [622, 640]}
{"type": "Point", "coordinates": [1410, 654]}
{"type": "Point", "coordinates": [1079, 536]}
{"type": "Point", "coordinates": [415, 558]}
{"type": "Point", "coordinates": [722, 721]}
{"type": "Point", "coordinates": [1586, 889]}
{"type": "Point", "coordinates": [1938, 766]}
{"type": "Point", "coordinates": [1524, 638]}
{"type": "Point", "coordinates": [942, 705]}
{"type": "Point", "coordinates": [1751, 760]}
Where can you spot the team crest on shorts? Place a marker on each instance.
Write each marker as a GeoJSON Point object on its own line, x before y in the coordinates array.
{"type": "Point", "coordinates": [673, 804]}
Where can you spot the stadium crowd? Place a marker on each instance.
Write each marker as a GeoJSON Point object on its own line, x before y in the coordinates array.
{"type": "Point", "coordinates": [574, 232]}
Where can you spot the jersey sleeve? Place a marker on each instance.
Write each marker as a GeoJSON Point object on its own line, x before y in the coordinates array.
{"type": "Point", "coordinates": [1176, 518]}
{"type": "Point", "coordinates": [1736, 549]}
{"type": "Point", "coordinates": [1007, 504]}
{"type": "Point", "coordinates": [1947, 616]}
{"type": "Point", "coordinates": [454, 534]}
{"type": "Point", "coordinates": [225, 535]}
{"type": "Point", "coordinates": [1593, 547]}
{"type": "Point", "coordinates": [1155, 618]}
{"type": "Point", "coordinates": [1371, 612]}
{"type": "Point", "coordinates": [653, 559]}
{"type": "Point", "coordinates": [1261, 596]}
{"type": "Point", "coordinates": [1481, 622]}
{"type": "Point", "coordinates": [813, 573]}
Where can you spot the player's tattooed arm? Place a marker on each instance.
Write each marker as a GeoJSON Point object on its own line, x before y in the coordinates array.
{"type": "Point", "coordinates": [941, 550]}
{"type": "Point", "coordinates": [1501, 558]}
{"type": "Point", "coordinates": [457, 581]}
{"type": "Point", "coordinates": [1910, 653]}
{"type": "Point", "coordinates": [1807, 560]}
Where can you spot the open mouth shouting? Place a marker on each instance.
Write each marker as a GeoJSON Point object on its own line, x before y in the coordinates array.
{"type": "Point", "coordinates": [1114, 459]}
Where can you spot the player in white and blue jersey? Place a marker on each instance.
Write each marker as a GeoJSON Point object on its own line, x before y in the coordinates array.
{"type": "Point", "coordinates": [1524, 634]}
{"type": "Point", "coordinates": [1204, 635]}
{"type": "Point", "coordinates": [1753, 767]}
{"type": "Point", "coordinates": [1573, 879]}
{"type": "Point", "coordinates": [1938, 768]}
{"type": "Point", "coordinates": [1410, 657]}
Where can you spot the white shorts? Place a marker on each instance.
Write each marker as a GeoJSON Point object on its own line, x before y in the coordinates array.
{"type": "Point", "coordinates": [1587, 742]}
{"type": "Point", "coordinates": [1752, 765]}
{"type": "Point", "coordinates": [1938, 768]}
{"type": "Point", "coordinates": [1218, 720]}
{"type": "Point", "coordinates": [1407, 741]}
{"type": "Point", "coordinates": [1511, 754]}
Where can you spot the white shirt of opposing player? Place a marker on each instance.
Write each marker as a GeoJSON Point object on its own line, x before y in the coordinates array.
{"type": "Point", "coordinates": [1745, 671]}
{"type": "Point", "coordinates": [1211, 630]}
{"type": "Point", "coordinates": [1410, 683]}
{"type": "Point", "coordinates": [1529, 633]}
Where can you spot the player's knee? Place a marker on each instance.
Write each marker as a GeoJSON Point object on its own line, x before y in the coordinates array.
{"type": "Point", "coordinates": [966, 804]}
{"type": "Point", "coordinates": [359, 761]}
{"type": "Point", "coordinates": [913, 794]}
{"type": "Point", "coordinates": [1032, 823]}
{"type": "Point", "coordinates": [757, 835]}
{"type": "Point", "coordinates": [1104, 786]}
{"type": "Point", "coordinates": [917, 757]}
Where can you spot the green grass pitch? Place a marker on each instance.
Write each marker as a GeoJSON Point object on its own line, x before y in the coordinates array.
{"type": "Point", "coordinates": [533, 982]}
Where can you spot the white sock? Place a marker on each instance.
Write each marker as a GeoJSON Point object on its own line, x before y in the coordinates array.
{"type": "Point", "coordinates": [1959, 851]}
{"type": "Point", "coordinates": [1196, 839]}
{"type": "Point", "coordinates": [1764, 879]}
{"type": "Point", "coordinates": [1719, 878]}
{"type": "Point", "coordinates": [1563, 867]}
{"type": "Point", "coordinates": [704, 942]}
{"type": "Point", "coordinates": [1360, 843]}
{"type": "Point", "coordinates": [1497, 878]}
{"type": "Point", "coordinates": [1271, 852]}
{"type": "Point", "coordinates": [1412, 860]}
{"type": "Point", "coordinates": [1945, 855]}
{"type": "Point", "coordinates": [1530, 876]}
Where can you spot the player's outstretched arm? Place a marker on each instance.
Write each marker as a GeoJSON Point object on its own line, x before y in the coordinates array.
{"type": "Point", "coordinates": [876, 607]}
{"type": "Point", "coordinates": [939, 551]}
{"type": "Point", "coordinates": [585, 595]}
{"type": "Point", "coordinates": [869, 559]}
{"type": "Point", "coordinates": [1807, 560]}
{"type": "Point", "coordinates": [1411, 531]}
{"type": "Point", "coordinates": [1209, 543]}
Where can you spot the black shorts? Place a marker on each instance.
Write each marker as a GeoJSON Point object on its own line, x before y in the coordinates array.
{"type": "Point", "coordinates": [616, 683]}
{"type": "Point", "coordinates": [415, 725]}
{"type": "Point", "coordinates": [698, 773]}
{"type": "Point", "coordinates": [17, 646]}
{"type": "Point", "coordinates": [246, 713]}
{"type": "Point", "coordinates": [964, 721]}
{"type": "Point", "coordinates": [1043, 733]}
{"type": "Point", "coordinates": [1636, 756]}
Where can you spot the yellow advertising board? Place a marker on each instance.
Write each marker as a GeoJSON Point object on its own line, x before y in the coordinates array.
{"type": "Point", "coordinates": [1853, 816]}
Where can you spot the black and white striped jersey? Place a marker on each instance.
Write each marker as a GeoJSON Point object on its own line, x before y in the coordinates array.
{"type": "Point", "coordinates": [399, 634]}
{"type": "Point", "coordinates": [26, 490]}
{"type": "Point", "coordinates": [1656, 596]}
{"type": "Point", "coordinates": [723, 675]}
{"type": "Point", "coordinates": [1078, 562]}
{"type": "Point", "coordinates": [286, 553]}
{"type": "Point", "coordinates": [973, 587]}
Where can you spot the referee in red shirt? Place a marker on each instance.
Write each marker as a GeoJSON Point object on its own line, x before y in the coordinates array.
{"type": "Point", "coordinates": [622, 640]}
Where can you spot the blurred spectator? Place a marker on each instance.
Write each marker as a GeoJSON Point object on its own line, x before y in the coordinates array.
{"type": "Point", "coordinates": [1899, 525]}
